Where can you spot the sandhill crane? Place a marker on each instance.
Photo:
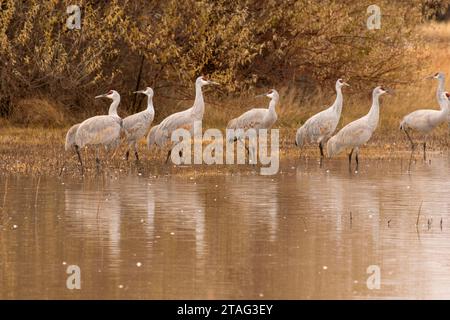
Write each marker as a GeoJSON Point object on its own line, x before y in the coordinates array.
{"type": "Point", "coordinates": [70, 137]}
{"type": "Point", "coordinates": [137, 125]}
{"type": "Point", "coordinates": [320, 127]}
{"type": "Point", "coordinates": [440, 77]}
{"type": "Point", "coordinates": [426, 120]}
{"type": "Point", "coordinates": [102, 130]}
{"type": "Point", "coordinates": [183, 119]}
{"type": "Point", "coordinates": [358, 132]}
{"type": "Point", "coordinates": [257, 118]}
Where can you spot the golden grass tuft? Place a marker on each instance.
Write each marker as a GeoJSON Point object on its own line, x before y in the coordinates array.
{"type": "Point", "coordinates": [37, 112]}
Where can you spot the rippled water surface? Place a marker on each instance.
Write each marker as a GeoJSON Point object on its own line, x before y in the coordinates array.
{"type": "Point", "coordinates": [307, 232]}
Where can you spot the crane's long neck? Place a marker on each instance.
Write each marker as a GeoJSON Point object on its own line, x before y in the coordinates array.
{"type": "Point", "coordinates": [440, 89]}
{"type": "Point", "coordinates": [199, 104]}
{"type": "Point", "coordinates": [445, 107]}
{"type": "Point", "coordinates": [272, 104]}
{"type": "Point", "coordinates": [374, 113]}
{"type": "Point", "coordinates": [443, 103]}
{"type": "Point", "coordinates": [337, 105]}
{"type": "Point", "coordinates": [113, 107]}
{"type": "Point", "coordinates": [150, 107]}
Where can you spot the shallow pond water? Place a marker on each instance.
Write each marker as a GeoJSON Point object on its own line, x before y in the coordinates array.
{"type": "Point", "coordinates": [305, 233]}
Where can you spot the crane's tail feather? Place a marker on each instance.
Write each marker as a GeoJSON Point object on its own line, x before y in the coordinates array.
{"type": "Point", "coordinates": [70, 137]}
{"type": "Point", "coordinates": [300, 137]}
{"type": "Point", "coordinates": [232, 124]}
{"type": "Point", "coordinates": [151, 137]}
{"type": "Point", "coordinates": [333, 147]}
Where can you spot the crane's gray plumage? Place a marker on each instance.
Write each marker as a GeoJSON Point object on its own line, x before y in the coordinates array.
{"type": "Point", "coordinates": [320, 127]}
{"type": "Point", "coordinates": [425, 120]}
{"type": "Point", "coordinates": [104, 130]}
{"type": "Point", "coordinates": [358, 132]}
{"type": "Point", "coordinates": [70, 137]}
{"type": "Point", "coordinates": [137, 125]}
{"type": "Point", "coordinates": [151, 140]}
{"type": "Point", "coordinates": [183, 119]}
{"type": "Point", "coordinates": [256, 118]}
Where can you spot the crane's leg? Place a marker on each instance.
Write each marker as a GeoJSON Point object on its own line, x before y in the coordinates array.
{"type": "Point", "coordinates": [410, 140]}
{"type": "Point", "coordinates": [77, 149]}
{"type": "Point", "coordinates": [62, 168]}
{"type": "Point", "coordinates": [245, 146]}
{"type": "Point", "coordinates": [350, 160]}
{"type": "Point", "coordinates": [357, 159]}
{"type": "Point", "coordinates": [97, 159]}
{"type": "Point", "coordinates": [425, 150]}
{"type": "Point", "coordinates": [321, 149]}
{"type": "Point", "coordinates": [321, 153]}
{"type": "Point", "coordinates": [135, 151]}
{"type": "Point", "coordinates": [410, 161]}
{"type": "Point", "coordinates": [168, 155]}
{"type": "Point", "coordinates": [127, 154]}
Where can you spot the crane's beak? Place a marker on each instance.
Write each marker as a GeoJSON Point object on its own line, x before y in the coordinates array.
{"type": "Point", "coordinates": [140, 91]}
{"type": "Point", "coordinates": [261, 95]}
{"type": "Point", "coordinates": [429, 77]}
{"type": "Point", "coordinates": [101, 96]}
{"type": "Point", "coordinates": [213, 82]}
{"type": "Point", "coordinates": [345, 84]}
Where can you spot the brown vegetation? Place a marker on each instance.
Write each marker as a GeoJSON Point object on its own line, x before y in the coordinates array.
{"type": "Point", "coordinates": [247, 45]}
{"type": "Point", "coordinates": [47, 91]}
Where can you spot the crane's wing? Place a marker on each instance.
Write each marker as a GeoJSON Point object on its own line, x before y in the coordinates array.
{"type": "Point", "coordinates": [322, 125]}
{"type": "Point", "coordinates": [99, 130]}
{"type": "Point", "coordinates": [354, 134]}
{"type": "Point", "coordinates": [136, 125]}
{"type": "Point", "coordinates": [250, 119]}
{"type": "Point", "coordinates": [421, 120]}
{"type": "Point", "coordinates": [179, 120]}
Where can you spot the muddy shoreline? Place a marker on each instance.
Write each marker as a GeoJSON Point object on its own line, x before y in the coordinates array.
{"type": "Point", "coordinates": [41, 152]}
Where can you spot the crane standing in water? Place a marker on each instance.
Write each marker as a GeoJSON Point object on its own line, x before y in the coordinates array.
{"type": "Point", "coordinates": [320, 127]}
{"type": "Point", "coordinates": [137, 125]}
{"type": "Point", "coordinates": [183, 119]}
{"type": "Point", "coordinates": [101, 130]}
{"type": "Point", "coordinates": [358, 132]}
{"type": "Point", "coordinates": [426, 120]}
{"type": "Point", "coordinates": [257, 118]}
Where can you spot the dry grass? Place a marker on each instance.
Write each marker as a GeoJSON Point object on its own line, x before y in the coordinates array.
{"type": "Point", "coordinates": [37, 112]}
{"type": "Point", "coordinates": [38, 150]}
{"type": "Point", "coordinates": [41, 152]}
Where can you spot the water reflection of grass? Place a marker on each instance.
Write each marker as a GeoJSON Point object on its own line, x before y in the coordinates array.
{"type": "Point", "coordinates": [41, 151]}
